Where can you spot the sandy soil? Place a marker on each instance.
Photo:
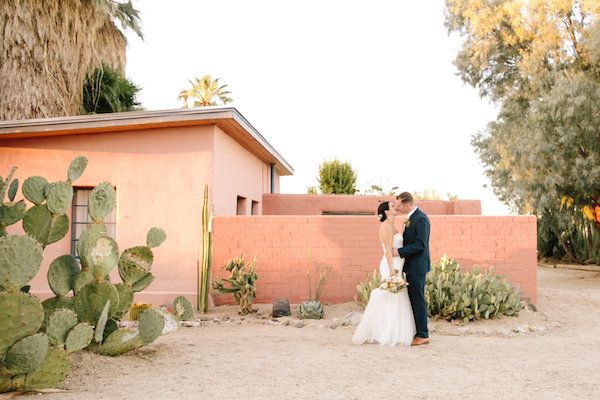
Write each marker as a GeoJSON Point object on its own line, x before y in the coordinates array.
{"type": "Point", "coordinates": [550, 354]}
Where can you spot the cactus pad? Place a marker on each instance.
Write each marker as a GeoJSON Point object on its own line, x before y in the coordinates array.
{"type": "Point", "coordinates": [135, 263]}
{"type": "Point", "coordinates": [12, 189]}
{"type": "Point", "coordinates": [59, 325]}
{"type": "Point", "coordinates": [121, 341]}
{"type": "Point", "coordinates": [6, 384]}
{"type": "Point", "coordinates": [155, 237]}
{"type": "Point", "coordinates": [87, 240]}
{"type": "Point", "coordinates": [51, 372]}
{"type": "Point", "coordinates": [182, 308]}
{"type": "Point", "coordinates": [143, 283]}
{"type": "Point", "coordinates": [20, 260]}
{"type": "Point", "coordinates": [151, 325]}
{"type": "Point", "coordinates": [62, 274]}
{"type": "Point", "coordinates": [34, 189]}
{"type": "Point", "coordinates": [11, 213]}
{"type": "Point", "coordinates": [102, 200]}
{"type": "Point", "coordinates": [77, 167]}
{"type": "Point", "coordinates": [27, 354]}
{"type": "Point", "coordinates": [125, 299]}
{"type": "Point", "coordinates": [21, 315]}
{"type": "Point", "coordinates": [43, 226]}
{"type": "Point", "coordinates": [55, 303]}
{"type": "Point", "coordinates": [111, 326]}
{"type": "Point", "coordinates": [103, 256]}
{"type": "Point", "coordinates": [60, 196]}
{"type": "Point", "coordinates": [90, 300]}
{"type": "Point", "coordinates": [79, 337]}
{"type": "Point", "coordinates": [82, 279]}
{"type": "Point", "coordinates": [99, 332]}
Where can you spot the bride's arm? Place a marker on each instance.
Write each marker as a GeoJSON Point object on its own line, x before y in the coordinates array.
{"type": "Point", "coordinates": [387, 237]}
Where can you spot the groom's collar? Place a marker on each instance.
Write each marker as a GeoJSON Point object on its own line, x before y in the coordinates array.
{"type": "Point", "coordinates": [411, 212]}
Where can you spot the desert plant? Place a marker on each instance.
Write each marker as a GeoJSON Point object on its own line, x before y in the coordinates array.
{"type": "Point", "coordinates": [105, 90]}
{"type": "Point", "coordinates": [469, 295]}
{"type": "Point", "coordinates": [35, 336]}
{"type": "Point", "coordinates": [136, 310]}
{"type": "Point", "coordinates": [364, 289]}
{"type": "Point", "coordinates": [309, 308]}
{"type": "Point", "coordinates": [241, 283]}
{"type": "Point", "coordinates": [182, 308]}
{"type": "Point", "coordinates": [205, 267]}
{"type": "Point", "coordinates": [337, 178]}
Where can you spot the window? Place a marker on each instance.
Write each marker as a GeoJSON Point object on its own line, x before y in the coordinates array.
{"type": "Point", "coordinates": [80, 218]}
{"type": "Point", "coordinates": [254, 207]}
{"type": "Point", "coordinates": [241, 206]}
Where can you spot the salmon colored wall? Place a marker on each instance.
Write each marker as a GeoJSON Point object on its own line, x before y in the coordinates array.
{"type": "Point", "coordinates": [160, 176]}
{"type": "Point", "coordinates": [303, 204]}
{"type": "Point", "coordinates": [236, 172]}
{"type": "Point", "coordinates": [350, 245]}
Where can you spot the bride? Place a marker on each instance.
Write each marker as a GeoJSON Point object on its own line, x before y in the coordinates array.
{"type": "Point", "coordinates": [388, 318]}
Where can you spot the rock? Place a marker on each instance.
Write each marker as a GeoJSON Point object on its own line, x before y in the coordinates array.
{"type": "Point", "coordinates": [205, 318]}
{"type": "Point", "coordinates": [238, 322]}
{"type": "Point", "coordinates": [190, 324]}
{"type": "Point", "coordinates": [352, 319]}
{"type": "Point", "coordinates": [298, 324]}
{"type": "Point", "coordinates": [334, 324]}
{"type": "Point", "coordinates": [286, 322]}
{"type": "Point", "coordinates": [281, 308]}
{"type": "Point", "coordinates": [520, 329]}
{"type": "Point", "coordinates": [273, 323]}
{"type": "Point", "coordinates": [532, 307]}
{"type": "Point", "coordinates": [463, 330]}
{"type": "Point", "coordinates": [504, 332]}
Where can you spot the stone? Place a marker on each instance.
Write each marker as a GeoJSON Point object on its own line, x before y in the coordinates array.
{"type": "Point", "coordinates": [352, 319]}
{"type": "Point", "coordinates": [463, 330]}
{"type": "Point", "coordinates": [298, 324]}
{"type": "Point", "coordinates": [281, 308]}
{"type": "Point", "coordinates": [286, 322]}
{"type": "Point", "coordinates": [520, 329]}
{"type": "Point", "coordinates": [334, 324]}
{"type": "Point", "coordinates": [273, 323]}
{"type": "Point", "coordinates": [190, 324]}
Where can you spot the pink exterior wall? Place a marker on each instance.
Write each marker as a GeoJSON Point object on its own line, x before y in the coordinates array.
{"type": "Point", "coordinates": [236, 172]}
{"type": "Point", "coordinates": [159, 175]}
{"type": "Point", "coordinates": [302, 204]}
{"type": "Point", "coordinates": [351, 246]}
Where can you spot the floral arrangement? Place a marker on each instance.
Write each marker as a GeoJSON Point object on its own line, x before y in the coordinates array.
{"type": "Point", "coordinates": [395, 284]}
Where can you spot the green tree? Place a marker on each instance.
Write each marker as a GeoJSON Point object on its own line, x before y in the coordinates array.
{"type": "Point", "coordinates": [105, 90]}
{"type": "Point", "coordinates": [540, 62]}
{"type": "Point", "coordinates": [337, 178]}
{"type": "Point", "coordinates": [205, 91]}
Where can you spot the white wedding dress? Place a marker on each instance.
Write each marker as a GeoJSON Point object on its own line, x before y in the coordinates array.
{"type": "Point", "coordinates": [388, 318]}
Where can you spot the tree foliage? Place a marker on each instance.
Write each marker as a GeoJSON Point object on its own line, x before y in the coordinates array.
{"type": "Point", "coordinates": [336, 177]}
{"type": "Point", "coordinates": [204, 92]}
{"type": "Point", "coordinates": [105, 90]}
{"type": "Point", "coordinates": [539, 61]}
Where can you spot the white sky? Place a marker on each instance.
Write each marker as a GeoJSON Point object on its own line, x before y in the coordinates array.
{"type": "Point", "coordinates": [371, 83]}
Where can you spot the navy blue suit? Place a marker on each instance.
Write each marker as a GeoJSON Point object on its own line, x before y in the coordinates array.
{"type": "Point", "coordinates": [417, 264]}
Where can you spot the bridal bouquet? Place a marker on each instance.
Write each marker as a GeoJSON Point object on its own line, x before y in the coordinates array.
{"type": "Point", "coordinates": [395, 284]}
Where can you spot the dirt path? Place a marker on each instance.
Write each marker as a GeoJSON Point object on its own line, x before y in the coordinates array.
{"type": "Point", "coordinates": [558, 357]}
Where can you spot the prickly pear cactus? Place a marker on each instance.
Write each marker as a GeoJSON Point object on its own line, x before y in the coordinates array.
{"type": "Point", "coordinates": [62, 274]}
{"type": "Point", "coordinates": [155, 237]}
{"type": "Point", "coordinates": [182, 308]}
{"type": "Point", "coordinates": [79, 337]}
{"type": "Point", "coordinates": [20, 260]}
{"type": "Point", "coordinates": [102, 200]}
{"type": "Point", "coordinates": [59, 325]}
{"type": "Point", "coordinates": [35, 188]}
{"type": "Point", "coordinates": [27, 354]}
{"type": "Point", "coordinates": [310, 309]}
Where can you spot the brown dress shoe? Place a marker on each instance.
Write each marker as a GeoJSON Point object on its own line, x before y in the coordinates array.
{"type": "Point", "coordinates": [417, 341]}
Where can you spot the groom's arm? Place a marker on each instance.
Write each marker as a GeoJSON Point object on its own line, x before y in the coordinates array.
{"type": "Point", "coordinates": [422, 228]}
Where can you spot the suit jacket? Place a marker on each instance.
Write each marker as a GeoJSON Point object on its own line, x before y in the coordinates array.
{"type": "Point", "coordinates": [415, 250]}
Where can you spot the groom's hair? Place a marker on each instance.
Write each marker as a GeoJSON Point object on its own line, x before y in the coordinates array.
{"type": "Point", "coordinates": [405, 197]}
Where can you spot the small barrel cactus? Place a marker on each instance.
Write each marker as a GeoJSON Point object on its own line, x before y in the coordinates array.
{"type": "Point", "coordinates": [310, 309]}
{"type": "Point", "coordinates": [136, 310]}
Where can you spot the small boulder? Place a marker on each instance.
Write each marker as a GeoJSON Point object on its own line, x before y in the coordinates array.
{"type": "Point", "coordinates": [281, 308]}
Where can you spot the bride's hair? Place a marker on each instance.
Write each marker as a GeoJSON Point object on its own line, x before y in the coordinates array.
{"type": "Point", "coordinates": [383, 207]}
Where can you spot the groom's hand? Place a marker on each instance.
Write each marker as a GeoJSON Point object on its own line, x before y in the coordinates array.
{"type": "Point", "coordinates": [395, 252]}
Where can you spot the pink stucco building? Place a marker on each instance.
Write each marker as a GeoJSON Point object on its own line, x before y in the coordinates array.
{"type": "Point", "coordinates": [159, 162]}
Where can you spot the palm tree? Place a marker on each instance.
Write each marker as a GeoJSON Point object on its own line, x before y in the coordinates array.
{"type": "Point", "coordinates": [205, 92]}
{"type": "Point", "coordinates": [46, 52]}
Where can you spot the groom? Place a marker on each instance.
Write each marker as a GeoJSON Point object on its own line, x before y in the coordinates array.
{"type": "Point", "coordinates": [415, 252]}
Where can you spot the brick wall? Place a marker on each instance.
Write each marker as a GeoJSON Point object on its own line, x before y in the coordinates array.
{"type": "Point", "coordinates": [302, 204]}
{"type": "Point", "coordinates": [350, 245]}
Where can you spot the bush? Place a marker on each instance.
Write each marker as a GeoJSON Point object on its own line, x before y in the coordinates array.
{"type": "Point", "coordinates": [241, 283]}
{"type": "Point", "coordinates": [471, 295]}
{"type": "Point", "coordinates": [337, 178]}
{"type": "Point", "coordinates": [105, 90]}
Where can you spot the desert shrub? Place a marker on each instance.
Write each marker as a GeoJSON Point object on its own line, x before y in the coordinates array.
{"type": "Point", "coordinates": [241, 283]}
{"type": "Point", "coordinates": [336, 177]}
{"type": "Point", "coordinates": [469, 295]}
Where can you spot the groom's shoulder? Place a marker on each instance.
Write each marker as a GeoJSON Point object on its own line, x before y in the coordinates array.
{"type": "Point", "coordinates": [421, 214]}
